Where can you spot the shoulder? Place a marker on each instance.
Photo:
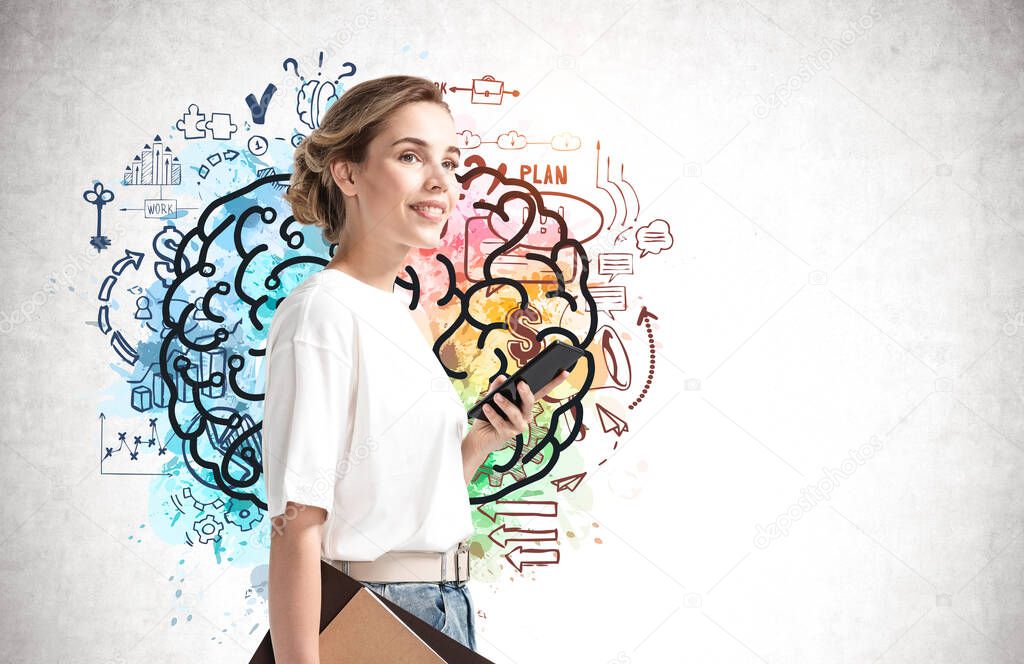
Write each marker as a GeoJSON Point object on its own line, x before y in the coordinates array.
{"type": "Point", "coordinates": [313, 314]}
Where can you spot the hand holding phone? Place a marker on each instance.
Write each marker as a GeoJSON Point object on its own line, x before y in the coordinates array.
{"type": "Point", "coordinates": [536, 373]}
{"type": "Point", "coordinates": [499, 419]}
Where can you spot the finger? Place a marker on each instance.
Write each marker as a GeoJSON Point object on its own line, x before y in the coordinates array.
{"type": "Point", "coordinates": [526, 398]}
{"type": "Point", "coordinates": [509, 410]}
{"type": "Point", "coordinates": [562, 375]}
{"type": "Point", "coordinates": [499, 412]}
{"type": "Point", "coordinates": [499, 423]}
{"type": "Point", "coordinates": [518, 418]}
{"type": "Point", "coordinates": [495, 384]}
{"type": "Point", "coordinates": [496, 420]}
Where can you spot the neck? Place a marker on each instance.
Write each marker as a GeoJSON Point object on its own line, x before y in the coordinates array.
{"type": "Point", "coordinates": [372, 264]}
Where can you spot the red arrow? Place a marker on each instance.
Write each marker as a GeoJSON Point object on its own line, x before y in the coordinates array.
{"type": "Point", "coordinates": [644, 315]}
{"type": "Point", "coordinates": [519, 508]}
{"type": "Point", "coordinates": [517, 558]}
{"type": "Point", "coordinates": [527, 535]}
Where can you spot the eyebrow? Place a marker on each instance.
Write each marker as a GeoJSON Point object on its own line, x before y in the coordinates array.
{"type": "Point", "coordinates": [423, 143]}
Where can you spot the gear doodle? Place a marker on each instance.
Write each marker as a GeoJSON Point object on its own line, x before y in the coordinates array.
{"type": "Point", "coordinates": [497, 474]}
{"type": "Point", "coordinates": [517, 472]}
{"type": "Point", "coordinates": [208, 529]}
{"type": "Point", "coordinates": [187, 497]}
{"type": "Point", "coordinates": [245, 518]}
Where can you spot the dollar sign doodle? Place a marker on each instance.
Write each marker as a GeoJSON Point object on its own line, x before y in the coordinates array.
{"type": "Point", "coordinates": [524, 347]}
{"type": "Point", "coordinates": [165, 245]}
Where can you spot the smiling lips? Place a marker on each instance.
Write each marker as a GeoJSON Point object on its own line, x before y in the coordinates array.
{"type": "Point", "coordinates": [429, 211]}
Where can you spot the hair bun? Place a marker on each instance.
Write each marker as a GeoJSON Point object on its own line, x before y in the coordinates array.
{"type": "Point", "coordinates": [345, 131]}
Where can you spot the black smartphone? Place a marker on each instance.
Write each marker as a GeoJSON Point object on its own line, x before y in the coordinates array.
{"type": "Point", "coordinates": [537, 373]}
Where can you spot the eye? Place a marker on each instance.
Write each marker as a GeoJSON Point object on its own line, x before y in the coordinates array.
{"type": "Point", "coordinates": [453, 164]}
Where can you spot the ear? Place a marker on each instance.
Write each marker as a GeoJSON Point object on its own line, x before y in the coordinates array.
{"type": "Point", "coordinates": [343, 172]}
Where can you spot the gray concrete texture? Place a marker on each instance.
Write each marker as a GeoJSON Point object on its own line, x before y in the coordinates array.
{"type": "Point", "coordinates": [828, 466]}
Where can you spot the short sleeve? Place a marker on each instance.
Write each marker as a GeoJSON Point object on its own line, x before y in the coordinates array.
{"type": "Point", "coordinates": [307, 422]}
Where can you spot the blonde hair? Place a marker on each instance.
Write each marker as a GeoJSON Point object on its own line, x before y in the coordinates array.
{"type": "Point", "coordinates": [346, 130]}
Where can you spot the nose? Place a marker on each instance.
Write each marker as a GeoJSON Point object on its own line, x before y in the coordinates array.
{"type": "Point", "coordinates": [437, 178]}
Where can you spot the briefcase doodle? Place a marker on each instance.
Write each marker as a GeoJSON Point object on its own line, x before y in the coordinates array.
{"type": "Point", "coordinates": [486, 90]}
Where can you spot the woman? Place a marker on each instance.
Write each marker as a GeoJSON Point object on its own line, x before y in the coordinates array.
{"type": "Point", "coordinates": [365, 450]}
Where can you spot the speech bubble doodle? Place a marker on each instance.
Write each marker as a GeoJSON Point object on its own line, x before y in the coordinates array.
{"type": "Point", "coordinates": [654, 238]}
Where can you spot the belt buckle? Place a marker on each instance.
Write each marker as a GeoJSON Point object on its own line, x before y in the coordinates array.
{"type": "Point", "coordinates": [462, 548]}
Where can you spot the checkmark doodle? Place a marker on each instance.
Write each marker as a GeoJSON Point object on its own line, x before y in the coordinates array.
{"type": "Point", "coordinates": [259, 110]}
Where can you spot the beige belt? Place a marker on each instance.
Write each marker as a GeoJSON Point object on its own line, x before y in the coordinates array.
{"type": "Point", "coordinates": [410, 566]}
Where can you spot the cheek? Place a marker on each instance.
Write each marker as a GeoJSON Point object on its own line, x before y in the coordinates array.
{"type": "Point", "coordinates": [389, 187]}
{"type": "Point", "coordinates": [405, 184]}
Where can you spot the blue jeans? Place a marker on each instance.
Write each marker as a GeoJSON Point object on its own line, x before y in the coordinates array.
{"type": "Point", "coordinates": [446, 606]}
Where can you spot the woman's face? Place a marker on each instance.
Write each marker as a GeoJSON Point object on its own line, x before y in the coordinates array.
{"type": "Point", "coordinates": [410, 162]}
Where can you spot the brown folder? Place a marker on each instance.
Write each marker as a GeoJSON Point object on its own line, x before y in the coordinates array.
{"type": "Point", "coordinates": [361, 627]}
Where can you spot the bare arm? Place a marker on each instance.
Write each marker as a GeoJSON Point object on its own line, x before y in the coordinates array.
{"type": "Point", "coordinates": [294, 584]}
{"type": "Point", "coordinates": [472, 457]}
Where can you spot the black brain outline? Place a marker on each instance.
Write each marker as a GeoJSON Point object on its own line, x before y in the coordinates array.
{"type": "Point", "coordinates": [518, 190]}
{"type": "Point", "coordinates": [195, 275]}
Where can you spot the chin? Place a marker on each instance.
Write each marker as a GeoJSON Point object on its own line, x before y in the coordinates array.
{"type": "Point", "coordinates": [431, 242]}
{"type": "Point", "coordinates": [430, 238]}
{"type": "Point", "coordinates": [421, 241]}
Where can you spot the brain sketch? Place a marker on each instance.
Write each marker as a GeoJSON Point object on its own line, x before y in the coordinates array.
{"type": "Point", "coordinates": [244, 253]}
{"type": "Point", "coordinates": [516, 255]}
{"type": "Point", "coordinates": [519, 283]}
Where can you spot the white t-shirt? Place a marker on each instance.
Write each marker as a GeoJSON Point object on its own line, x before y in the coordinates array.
{"type": "Point", "coordinates": [361, 419]}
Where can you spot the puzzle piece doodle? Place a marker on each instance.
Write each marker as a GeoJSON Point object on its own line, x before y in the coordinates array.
{"type": "Point", "coordinates": [195, 125]}
{"type": "Point", "coordinates": [192, 123]}
{"type": "Point", "coordinates": [220, 126]}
